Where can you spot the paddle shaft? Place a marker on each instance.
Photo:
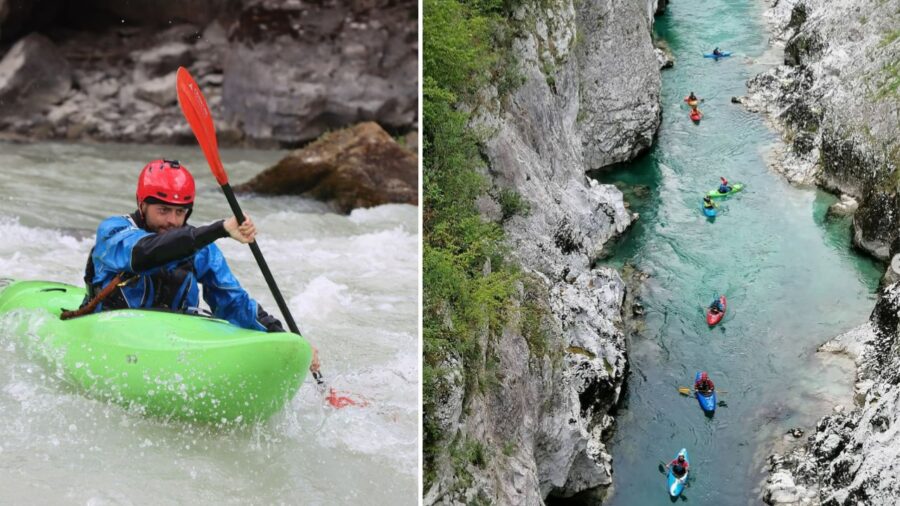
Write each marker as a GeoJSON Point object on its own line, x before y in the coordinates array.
{"type": "Point", "coordinates": [264, 267]}
{"type": "Point", "coordinates": [261, 261]}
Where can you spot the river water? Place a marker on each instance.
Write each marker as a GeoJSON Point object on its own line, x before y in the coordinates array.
{"type": "Point", "coordinates": [790, 276]}
{"type": "Point", "coordinates": [351, 283]}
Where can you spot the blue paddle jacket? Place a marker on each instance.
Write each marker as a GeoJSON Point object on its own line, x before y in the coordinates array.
{"type": "Point", "coordinates": [163, 271]}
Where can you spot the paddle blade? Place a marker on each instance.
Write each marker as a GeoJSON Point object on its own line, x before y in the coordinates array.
{"type": "Point", "coordinates": [342, 401]}
{"type": "Point", "coordinates": [684, 390]}
{"type": "Point", "coordinates": [193, 105]}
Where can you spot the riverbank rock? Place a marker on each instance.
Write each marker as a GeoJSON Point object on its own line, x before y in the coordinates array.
{"type": "Point", "coordinates": [360, 166]}
{"type": "Point", "coordinates": [845, 207]}
{"type": "Point", "coordinates": [33, 77]}
{"type": "Point", "coordinates": [852, 456]}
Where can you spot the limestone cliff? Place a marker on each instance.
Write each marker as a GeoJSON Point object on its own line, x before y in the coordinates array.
{"type": "Point", "coordinates": [589, 98]}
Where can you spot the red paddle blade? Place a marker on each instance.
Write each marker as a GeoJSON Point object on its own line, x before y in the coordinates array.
{"type": "Point", "coordinates": [342, 401]}
{"type": "Point", "coordinates": [195, 110]}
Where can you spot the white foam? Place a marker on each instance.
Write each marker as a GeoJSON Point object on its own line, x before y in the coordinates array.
{"type": "Point", "coordinates": [320, 298]}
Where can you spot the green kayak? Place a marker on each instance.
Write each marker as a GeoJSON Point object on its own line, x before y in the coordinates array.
{"type": "Point", "coordinates": [736, 187]}
{"type": "Point", "coordinates": [161, 363]}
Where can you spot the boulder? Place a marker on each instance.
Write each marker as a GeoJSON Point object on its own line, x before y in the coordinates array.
{"type": "Point", "coordinates": [33, 76]}
{"type": "Point", "coordinates": [845, 207]}
{"type": "Point", "coordinates": [360, 166]}
{"type": "Point", "coordinates": [163, 59]}
{"type": "Point", "coordinates": [159, 91]}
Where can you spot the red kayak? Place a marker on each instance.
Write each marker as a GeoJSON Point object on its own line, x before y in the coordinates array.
{"type": "Point", "coordinates": [714, 318]}
{"type": "Point", "coordinates": [695, 115]}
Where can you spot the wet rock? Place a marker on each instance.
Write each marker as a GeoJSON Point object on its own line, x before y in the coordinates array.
{"type": "Point", "coordinates": [892, 273]}
{"type": "Point", "coordinates": [360, 166]}
{"type": "Point", "coordinates": [737, 100]}
{"type": "Point", "coordinates": [159, 91]}
{"type": "Point", "coordinates": [162, 60]}
{"type": "Point", "coordinates": [845, 207]}
{"type": "Point", "coordinates": [33, 76]}
{"type": "Point", "coordinates": [797, 432]}
{"type": "Point", "coordinates": [637, 309]}
{"type": "Point", "coordinates": [664, 59]}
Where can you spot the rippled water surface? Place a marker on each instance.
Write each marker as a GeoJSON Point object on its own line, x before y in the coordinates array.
{"type": "Point", "coordinates": [790, 276]}
{"type": "Point", "coordinates": [350, 281]}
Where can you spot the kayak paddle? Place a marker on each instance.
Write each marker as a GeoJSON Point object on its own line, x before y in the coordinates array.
{"type": "Point", "coordinates": [196, 111]}
{"type": "Point", "coordinates": [688, 391]}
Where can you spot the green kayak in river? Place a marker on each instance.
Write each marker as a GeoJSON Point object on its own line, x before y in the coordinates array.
{"type": "Point", "coordinates": [736, 187]}
{"type": "Point", "coordinates": [165, 364]}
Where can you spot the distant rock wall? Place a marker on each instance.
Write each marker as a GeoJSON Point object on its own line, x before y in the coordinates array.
{"type": "Point", "coordinates": [275, 73]}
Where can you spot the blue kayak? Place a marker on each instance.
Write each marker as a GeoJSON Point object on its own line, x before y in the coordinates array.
{"type": "Point", "coordinates": [709, 211]}
{"type": "Point", "coordinates": [676, 485]}
{"type": "Point", "coordinates": [707, 402]}
{"type": "Point", "coordinates": [723, 54]}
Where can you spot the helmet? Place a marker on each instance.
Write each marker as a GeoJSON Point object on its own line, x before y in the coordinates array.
{"type": "Point", "coordinates": [724, 181]}
{"type": "Point", "coordinates": [704, 376]}
{"type": "Point", "coordinates": [166, 181]}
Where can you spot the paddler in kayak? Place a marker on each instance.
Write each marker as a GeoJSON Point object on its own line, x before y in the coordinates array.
{"type": "Point", "coordinates": [723, 187]}
{"type": "Point", "coordinates": [708, 203]}
{"type": "Point", "coordinates": [156, 260]}
{"type": "Point", "coordinates": [704, 385]}
{"type": "Point", "coordinates": [716, 52]}
{"type": "Point", "coordinates": [679, 466]}
{"type": "Point", "coordinates": [692, 100]}
{"type": "Point", "coordinates": [716, 306]}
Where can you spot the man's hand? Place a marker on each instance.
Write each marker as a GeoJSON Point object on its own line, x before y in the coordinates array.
{"type": "Point", "coordinates": [244, 233]}
{"type": "Point", "coordinates": [315, 364]}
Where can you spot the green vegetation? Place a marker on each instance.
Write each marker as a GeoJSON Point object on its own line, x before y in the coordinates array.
{"type": "Point", "coordinates": [512, 204]}
{"type": "Point", "coordinates": [469, 287]}
{"type": "Point", "coordinates": [890, 87]}
{"type": "Point", "coordinates": [889, 38]}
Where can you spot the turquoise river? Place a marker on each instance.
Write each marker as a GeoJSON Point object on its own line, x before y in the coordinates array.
{"type": "Point", "coordinates": [790, 275]}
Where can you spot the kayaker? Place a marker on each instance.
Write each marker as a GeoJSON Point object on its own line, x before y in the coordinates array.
{"type": "Point", "coordinates": [724, 188]}
{"type": "Point", "coordinates": [716, 307]}
{"type": "Point", "coordinates": [679, 466]}
{"type": "Point", "coordinates": [708, 202]}
{"type": "Point", "coordinates": [158, 259]}
{"type": "Point", "coordinates": [692, 97]}
{"type": "Point", "coordinates": [704, 385]}
{"type": "Point", "coordinates": [716, 51]}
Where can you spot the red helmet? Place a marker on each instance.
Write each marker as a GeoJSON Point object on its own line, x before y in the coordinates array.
{"type": "Point", "coordinates": [166, 181]}
{"type": "Point", "coordinates": [704, 376]}
{"type": "Point", "coordinates": [724, 181]}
